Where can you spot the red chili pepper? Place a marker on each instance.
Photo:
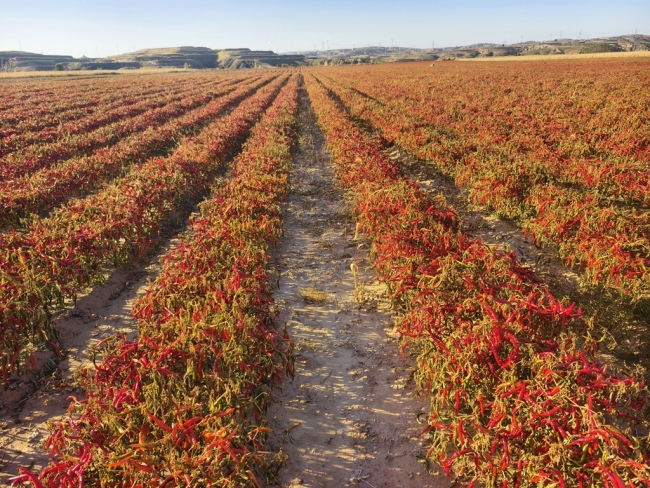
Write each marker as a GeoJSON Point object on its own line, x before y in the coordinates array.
{"type": "Point", "coordinates": [160, 423]}
{"type": "Point", "coordinates": [481, 404]}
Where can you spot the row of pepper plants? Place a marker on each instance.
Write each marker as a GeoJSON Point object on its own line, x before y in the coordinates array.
{"type": "Point", "coordinates": [607, 240]}
{"type": "Point", "coordinates": [43, 190]}
{"type": "Point", "coordinates": [30, 91]}
{"type": "Point", "coordinates": [183, 405]}
{"type": "Point", "coordinates": [54, 258]}
{"type": "Point", "coordinates": [39, 115]}
{"type": "Point", "coordinates": [50, 97]}
{"type": "Point", "coordinates": [586, 121]}
{"type": "Point", "coordinates": [131, 120]}
{"type": "Point", "coordinates": [517, 395]}
{"type": "Point", "coordinates": [122, 105]}
{"type": "Point", "coordinates": [42, 148]}
{"type": "Point", "coordinates": [25, 109]}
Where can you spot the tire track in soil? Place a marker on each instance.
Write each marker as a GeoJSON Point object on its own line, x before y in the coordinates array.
{"type": "Point", "coordinates": [33, 400]}
{"type": "Point", "coordinates": [349, 416]}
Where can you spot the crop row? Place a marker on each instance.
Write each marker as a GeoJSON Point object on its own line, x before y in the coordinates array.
{"type": "Point", "coordinates": [136, 118]}
{"type": "Point", "coordinates": [54, 258]}
{"type": "Point", "coordinates": [609, 242]}
{"type": "Point", "coordinates": [106, 112]}
{"type": "Point", "coordinates": [26, 89]}
{"type": "Point", "coordinates": [57, 97]}
{"type": "Point", "coordinates": [587, 120]}
{"type": "Point", "coordinates": [65, 103]}
{"type": "Point", "coordinates": [25, 120]}
{"type": "Point", "coordinates": [40, 92]}
{"type": "Point", "coordinates": [183, 405]}
{"type": "Point", "coordinates": [517, 395]}
{"type": "Point", "coordinates": [43, 190]}
{"type": "Point", "coordinates": [25, 142]}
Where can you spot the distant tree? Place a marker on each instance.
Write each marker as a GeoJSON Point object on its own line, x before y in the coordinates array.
{"type": "Point", "coordinates": [8, 65]}
{"type": "Point", "coordinates": [58, 67]}
{"type": "Point", "coordinates": [599, 48]}
{"type": "Point", "coordinates": [186, 66]}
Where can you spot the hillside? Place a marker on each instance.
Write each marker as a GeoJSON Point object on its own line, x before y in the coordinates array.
{"type": "Point", "coordinates": [241, 58]}
{"type": "Point", "coordinates": [174, 57]}
{"type": "Point", "coordinates": [23, 61]}
{"type": "Point", "coordinates": [374, 54]}
{"type": "Point", "coordinates": [245, 58]}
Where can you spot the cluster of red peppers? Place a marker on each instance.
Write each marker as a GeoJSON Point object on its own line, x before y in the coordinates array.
{"type": "Point", "coordinates": [53, 259]}
{"type": "Point", "coordinates": [517, 395]}
{"type": "Point", "coordinates": [183, 404]}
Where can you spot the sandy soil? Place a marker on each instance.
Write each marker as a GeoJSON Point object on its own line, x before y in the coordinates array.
{"type": "Point", "coordinates": [349, 416]}
{"type": "Point", "coordinates": [32, 400]}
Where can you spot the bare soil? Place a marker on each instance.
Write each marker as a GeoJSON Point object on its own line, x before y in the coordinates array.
{"type": "Point", "coordinates": [349, 417]}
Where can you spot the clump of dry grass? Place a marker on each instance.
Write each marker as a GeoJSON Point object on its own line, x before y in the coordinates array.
{"type": "Point", "coordinates": [312, 295]}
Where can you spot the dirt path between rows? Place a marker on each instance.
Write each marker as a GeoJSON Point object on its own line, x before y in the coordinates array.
{"type": "Point", "coordinates": [349, 416]}
{"type": "Point", "coordinates": [32, 400]}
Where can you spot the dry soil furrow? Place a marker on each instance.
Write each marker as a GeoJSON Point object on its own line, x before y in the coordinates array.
{"type": "Point", "coordinates": [349, 416]}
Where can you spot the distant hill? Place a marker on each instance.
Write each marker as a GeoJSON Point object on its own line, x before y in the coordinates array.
{"type": "Point", "coordinates": [19, 60]}
{"type": "Point", "coordinates": [205, 58]}
{"type": "Point", "coordinates": [245, 58]}
{"type": "Point", "coordinates": [374, 54]}
{"type": "Point", "coordinates": [173, 57]}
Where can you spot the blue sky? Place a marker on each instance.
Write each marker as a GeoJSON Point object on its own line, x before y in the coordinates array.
{"type": "Point", "coordinates": [100, 28]}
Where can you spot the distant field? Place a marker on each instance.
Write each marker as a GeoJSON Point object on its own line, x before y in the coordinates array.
{"type": "Point", "coordinates": [83, 73]}
{"type": "Point", "coordinates": [548, 57]}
